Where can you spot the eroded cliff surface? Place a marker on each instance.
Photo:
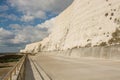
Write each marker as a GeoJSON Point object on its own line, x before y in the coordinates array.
{"type": "Point", "coordinates": [85, 23]}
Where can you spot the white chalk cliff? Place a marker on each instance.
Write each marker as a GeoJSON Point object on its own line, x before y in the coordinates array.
{"type": "Point", "coordinates": [85, 23]}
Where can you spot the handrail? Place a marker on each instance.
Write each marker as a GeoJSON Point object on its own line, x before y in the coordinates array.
{"type": "Point", "coordinates": [16, 70]}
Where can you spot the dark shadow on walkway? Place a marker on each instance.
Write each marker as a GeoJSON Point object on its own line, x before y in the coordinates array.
{"type": "Point", "coordinates": [28, 72]}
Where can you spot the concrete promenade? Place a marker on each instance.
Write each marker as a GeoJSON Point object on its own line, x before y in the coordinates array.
{"type": "Point", "coordinates": [46, 67]}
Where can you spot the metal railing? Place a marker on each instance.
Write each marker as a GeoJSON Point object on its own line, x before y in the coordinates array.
{"type": "Point", "coordinates": [18, 71]}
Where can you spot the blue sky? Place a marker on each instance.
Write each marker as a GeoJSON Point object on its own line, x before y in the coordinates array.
{"type": "Point", "coordinates": [26, 21]}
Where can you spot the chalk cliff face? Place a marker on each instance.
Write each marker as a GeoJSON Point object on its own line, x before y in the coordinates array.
{"type": "Point", "coordinates": [85, 23]}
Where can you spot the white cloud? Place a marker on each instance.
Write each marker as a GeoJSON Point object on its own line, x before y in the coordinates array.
{"type": "Point", "coordinates": [5, 34]}
{"type": "Point", "coordinates": [29, 34]}
{"type": "Point", "coordinates": [27, 18]}
{"type": "Point", "coordinates": [38, 8]}
{"type": "Point", "coordinates": [9, 16]}
{"type": "Point", "coordinates": [15, 26]}
{"type": "Point", "coordinates": [3, 8]}
{"type": "Point", "coordinates": [20, 35]}
{"type": "Point", "coordinates": [5, 37]}
{"type": "Point", "coordinates": [15, 40]}
{"type": "Point", "coordinates": [12, 17]}
{"type": "Point", "coordinates": [49, 24]}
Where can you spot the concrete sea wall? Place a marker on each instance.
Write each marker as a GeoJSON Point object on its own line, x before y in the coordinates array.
{"type": "Point", "coordinates": [108, 52]}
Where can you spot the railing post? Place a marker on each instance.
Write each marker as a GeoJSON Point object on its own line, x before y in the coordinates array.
{"type": "Point", "coordinates": [15, 71]}
{"type": "Point", "coordinates": [10, 76]}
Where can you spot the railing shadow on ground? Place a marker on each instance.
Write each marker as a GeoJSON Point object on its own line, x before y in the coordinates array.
{"type": "Point", "coordinates": [28, 72]}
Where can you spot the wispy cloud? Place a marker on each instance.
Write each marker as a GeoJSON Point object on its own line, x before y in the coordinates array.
{"type": "Point", "coordinates": [5, 34]}
{"type": "Point", "coordinates": [9, 16]}
{"type": "Point", "coordinates": [38, 8]}
{"type": "Point", "coordinates": [3, 8]}
{"type": "Point", "coordinates": [22, 35]}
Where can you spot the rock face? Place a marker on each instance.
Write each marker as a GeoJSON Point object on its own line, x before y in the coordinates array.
{"type": "Point", "coordinates": [34, 47]}
{"type": "Point", "coordinates": [85, 23]}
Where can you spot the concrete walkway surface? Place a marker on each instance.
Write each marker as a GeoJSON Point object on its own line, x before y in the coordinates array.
{"type": "Point", "coordinates": [63, 68]}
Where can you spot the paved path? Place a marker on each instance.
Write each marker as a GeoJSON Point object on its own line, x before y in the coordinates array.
{"type": "Point", "coordinates": [29, 72]}
{"type": "Point", "coordinates": [62, 68]}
